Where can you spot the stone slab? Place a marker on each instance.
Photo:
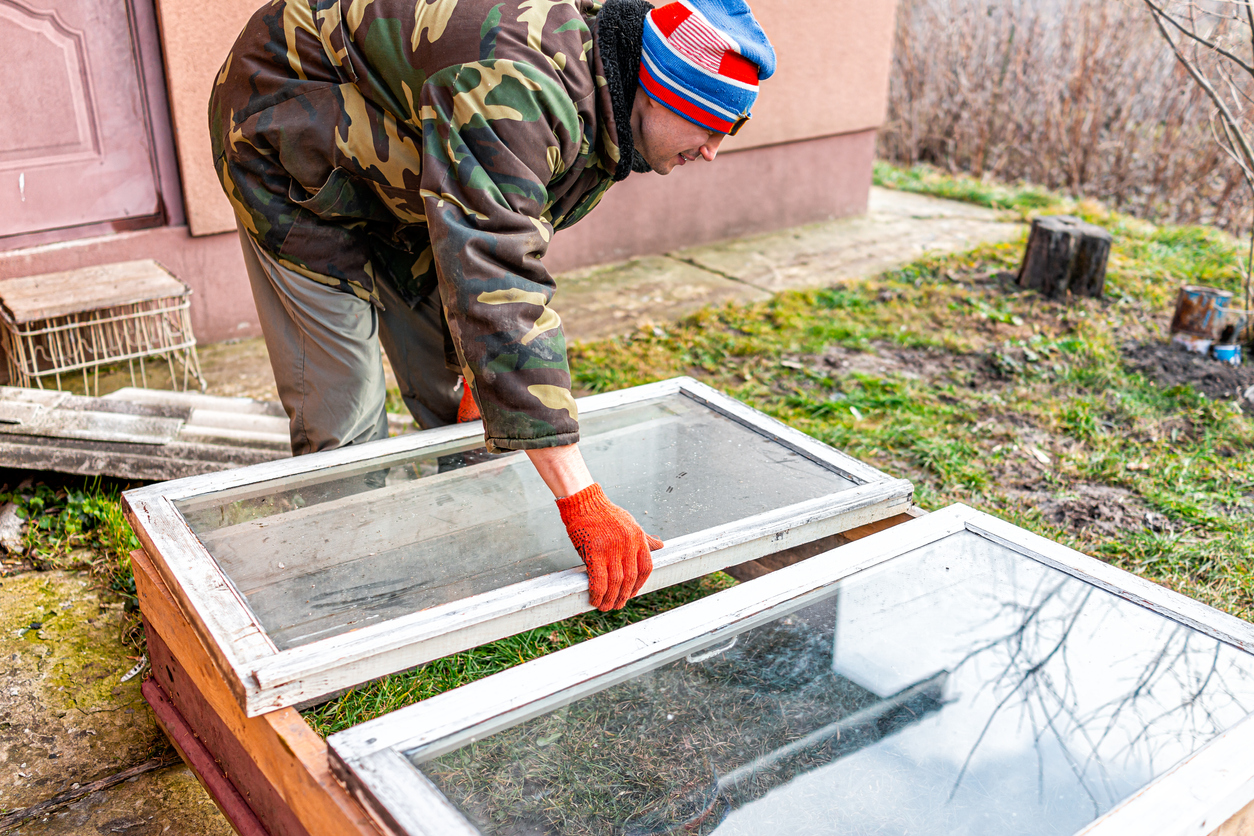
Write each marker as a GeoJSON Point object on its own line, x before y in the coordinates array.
{"type": "Point", "coordinates": [604, 301]}
{"type": "Point", "coordinates": [898, 228]}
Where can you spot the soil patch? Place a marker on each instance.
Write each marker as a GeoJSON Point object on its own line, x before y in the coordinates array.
{"type": "Point", "coordinates": [1094, 510]}
{"type": "Point", "coordinates": [885, 360]}
{"type": "Point", "coordinates": [1168, 365]}
{"type": "Point", "coordinates": [67, 715]}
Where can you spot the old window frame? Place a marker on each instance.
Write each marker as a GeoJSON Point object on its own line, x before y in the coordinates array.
{"type": "Point", "coordinates": [1195, 796]}
{"type": "Point", "coordinates": [264, 678]}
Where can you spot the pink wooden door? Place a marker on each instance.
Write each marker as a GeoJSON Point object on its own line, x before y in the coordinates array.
{"type": "Point", "coordinates": [75, 146]}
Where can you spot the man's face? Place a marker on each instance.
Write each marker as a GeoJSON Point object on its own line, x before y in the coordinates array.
{"type": "Point", "coordinates": [666, 140]}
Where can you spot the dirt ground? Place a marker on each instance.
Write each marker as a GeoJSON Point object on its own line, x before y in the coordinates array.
{"type": "Point", "coordinates": [1083, 510]}
{"type": "Point", "coordinates": [1169, 365]}
{"type": "Point", "coordinates": [70, 716]}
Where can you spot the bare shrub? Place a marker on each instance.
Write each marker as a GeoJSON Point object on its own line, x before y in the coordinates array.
{"type": "Point", "coordinates": [1078, 95]}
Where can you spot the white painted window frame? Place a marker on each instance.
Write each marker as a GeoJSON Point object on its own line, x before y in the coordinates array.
{"type": "Point", "coordinates": [1194, 797]}
{"type": "Point", "coordinates": [264, 678]}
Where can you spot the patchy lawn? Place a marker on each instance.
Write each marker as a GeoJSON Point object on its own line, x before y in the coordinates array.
{"type": "Point", "coordinates": [1059, 417]}
{"type": "Point", "coordinates": [1072, 419]}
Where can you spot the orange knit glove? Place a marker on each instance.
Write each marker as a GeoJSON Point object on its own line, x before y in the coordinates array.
{"type": "Point", "coordinates": [467, 410]}
{"type": "Point", "coordinates": [613, 546]}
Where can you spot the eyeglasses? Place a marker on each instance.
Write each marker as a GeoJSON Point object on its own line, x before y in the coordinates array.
{"type": "Point", "coordinates": [740, 123]}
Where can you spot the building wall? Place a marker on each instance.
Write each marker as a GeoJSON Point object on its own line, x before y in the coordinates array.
{"type": "Point", "coordinates": [832, 79]}
{"type": "Point", "coordinates": [805, 157]}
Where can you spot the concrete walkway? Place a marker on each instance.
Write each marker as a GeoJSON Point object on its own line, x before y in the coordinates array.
{"type": "Point", "coordinates": [617, 299]}
{"type": "Point", "coordinates": [63, 684]}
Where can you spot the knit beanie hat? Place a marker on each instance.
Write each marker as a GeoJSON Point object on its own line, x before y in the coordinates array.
{"type": "Point", "coordinates": [703, 59]}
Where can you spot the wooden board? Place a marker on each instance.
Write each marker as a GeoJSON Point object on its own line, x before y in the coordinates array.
{"type": "Point", "coordinates": [34, 298]}
{"type": "Point", "coordinates": [774, 562]}
{"type": "Point", "coordinates": [276, 761]}
{"type": "Point", "coordinates": [197, 756]}
{"type": "Point", "coordinates": [1242, 824]}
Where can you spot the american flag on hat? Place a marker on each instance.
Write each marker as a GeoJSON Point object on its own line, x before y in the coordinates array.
{"type": "Point", "coordinates": [703, 59]}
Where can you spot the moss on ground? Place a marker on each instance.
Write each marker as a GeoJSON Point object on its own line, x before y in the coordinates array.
{"type": "Point", "coordinates": [67, 716]}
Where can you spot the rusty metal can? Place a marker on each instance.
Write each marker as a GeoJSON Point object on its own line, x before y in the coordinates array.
{"type": "Point", "coordinates": [1200, 311]}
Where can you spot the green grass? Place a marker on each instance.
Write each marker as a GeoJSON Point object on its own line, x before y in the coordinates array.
{"type": "Point", "coordinates": [390, 693]}
{"type": "Point", "coordinates": [82, 528]}
{"type": "Point", "coordinates": [988, 382]}
{"type": "Point", "coordinates": [1013, 373]}
{"type": "Point", "coordinates": [925, 179]}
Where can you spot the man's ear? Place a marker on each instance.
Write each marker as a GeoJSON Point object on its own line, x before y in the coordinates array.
{"type": "Point", "coordinates": [643, 100]}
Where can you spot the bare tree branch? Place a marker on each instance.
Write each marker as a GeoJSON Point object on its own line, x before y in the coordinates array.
{"type": "Point", "coordinates": [1214, 47]}
{"type": "Point", "coordinates": [1203, 82]}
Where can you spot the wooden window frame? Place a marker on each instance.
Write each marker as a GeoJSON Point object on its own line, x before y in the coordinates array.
{"type": "Point", "coordinates": [264, 678]}
{"type": "Point", "coordinates": [1196, 796]}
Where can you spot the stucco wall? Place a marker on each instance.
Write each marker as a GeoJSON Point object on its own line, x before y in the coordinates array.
{"type": "Point", "coordinates": [832, 79]}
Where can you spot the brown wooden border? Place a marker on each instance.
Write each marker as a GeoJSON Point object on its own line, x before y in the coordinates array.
{"type": "Point", "coordinates": [276, 762]}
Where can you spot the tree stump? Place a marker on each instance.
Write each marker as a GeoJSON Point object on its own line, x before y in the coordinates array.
{"type": "Point", "coordinates": [1065, 255]}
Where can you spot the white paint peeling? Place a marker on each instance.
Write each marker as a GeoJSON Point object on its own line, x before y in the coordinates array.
{"type": "Point", "coordinates": [21, 185]}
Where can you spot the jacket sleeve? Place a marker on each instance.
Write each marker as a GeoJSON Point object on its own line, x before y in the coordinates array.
{"type": "Point", "coordinates": [495, 133]}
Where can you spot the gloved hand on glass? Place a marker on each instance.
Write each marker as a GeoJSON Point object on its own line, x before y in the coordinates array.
{"type": "Point", "coordinates": [612, 545]}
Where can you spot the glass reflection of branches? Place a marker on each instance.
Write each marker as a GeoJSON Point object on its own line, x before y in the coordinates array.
{"type": "Point", "coordinates": [1171, 692]}
{"type": "Point", "coordinates": [959, 688]}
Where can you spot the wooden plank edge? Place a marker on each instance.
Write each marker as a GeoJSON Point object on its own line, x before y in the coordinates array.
{"type": "Point", "coordinates": [229, 633]}
{"type": "Point", "coordinates": [291, 756]}
{"type": "Point", "coordinates": [1242, 824]}
{"type": "Point", "coordinates": [201, 762]}
{"type": "Point", "coordinates": [403, 801]}
{"type": "Point", "coordinates": [228, 752]}
{"type": "Point", "coordinates": [751, 569]}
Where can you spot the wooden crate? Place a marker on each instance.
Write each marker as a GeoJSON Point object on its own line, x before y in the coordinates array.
{"type": "Point", "coordinates": [68, 324]}
{"type": "Point", "coordinates": [268, 774]}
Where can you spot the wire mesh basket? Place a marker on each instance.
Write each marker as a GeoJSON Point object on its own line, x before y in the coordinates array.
{"type": "Point", "coordinates": [133, 313]}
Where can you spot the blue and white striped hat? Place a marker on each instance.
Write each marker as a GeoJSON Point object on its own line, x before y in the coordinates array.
{"type": "Point", "coordinates": [703, 59]}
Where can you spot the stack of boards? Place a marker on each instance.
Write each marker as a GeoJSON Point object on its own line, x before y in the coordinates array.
{"type": "Point", "coordinates": [137, 433]}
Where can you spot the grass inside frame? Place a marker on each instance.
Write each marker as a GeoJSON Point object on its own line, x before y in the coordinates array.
{"type": "Point", "coordinates": [482, 709]}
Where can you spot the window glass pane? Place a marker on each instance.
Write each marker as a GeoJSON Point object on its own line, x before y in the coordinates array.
{"type": "Point", "coordinates": [960, 688]}
{"type": "Point", "coordinates": [321, 554]}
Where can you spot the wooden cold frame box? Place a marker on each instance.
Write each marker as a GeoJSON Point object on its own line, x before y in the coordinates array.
{"type": "Point", "coordinates": [307, 576]}
{"type": "Point", "coordinates": [954, 674]}
{"type": "Point", "coordinates": [270, 774]}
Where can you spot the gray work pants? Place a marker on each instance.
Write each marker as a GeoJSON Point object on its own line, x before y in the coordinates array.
{"type": "Point", "coordinates": [324, 349]}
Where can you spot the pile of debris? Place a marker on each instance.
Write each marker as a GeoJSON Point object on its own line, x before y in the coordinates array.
{"type": "Point", "coordinates": [1206, 323]}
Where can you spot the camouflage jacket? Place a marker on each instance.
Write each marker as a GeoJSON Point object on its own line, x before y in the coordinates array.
{"type": "Point", "coordinates": [440, 142]}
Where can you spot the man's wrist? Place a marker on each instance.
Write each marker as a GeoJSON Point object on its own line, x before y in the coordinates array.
{"type": "Point", "coordinates": [562, 469]}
